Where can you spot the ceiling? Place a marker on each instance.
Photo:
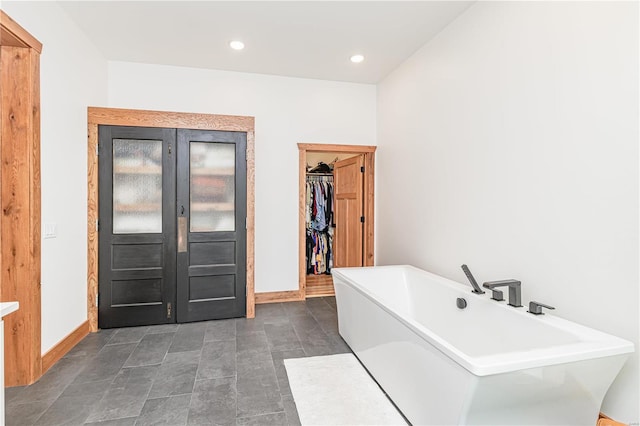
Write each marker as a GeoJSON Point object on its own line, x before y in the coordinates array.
{"type": "Point", "coordinates": [309, 39]}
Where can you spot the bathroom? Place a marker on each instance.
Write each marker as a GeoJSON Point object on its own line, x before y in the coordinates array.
{"type": "Point", "coordinates": [507, 141]}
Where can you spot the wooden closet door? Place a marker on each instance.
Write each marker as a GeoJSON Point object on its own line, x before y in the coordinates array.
{"type": "Point", "coordinates": [349, 212]}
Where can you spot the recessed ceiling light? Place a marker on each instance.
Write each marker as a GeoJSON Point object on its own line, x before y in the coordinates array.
{"type": "Point", "coordinates": [356, 59]}
{"type": "Point", "coordinates": [236, 45]}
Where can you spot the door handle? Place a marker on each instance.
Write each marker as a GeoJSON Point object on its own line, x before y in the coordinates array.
{"type": "Point", "coordinates": [182, 234]}
{"type": "Point", "coordinates": [181, 210]}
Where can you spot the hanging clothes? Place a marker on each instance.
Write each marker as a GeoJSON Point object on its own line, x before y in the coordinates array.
{"type": "Point", "coordinates": [319, 223]}
{"type": "Point", "coordinates": [319, 252]}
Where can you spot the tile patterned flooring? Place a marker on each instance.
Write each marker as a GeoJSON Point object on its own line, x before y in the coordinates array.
{"type": "Point", "coordinates": [227, 372]}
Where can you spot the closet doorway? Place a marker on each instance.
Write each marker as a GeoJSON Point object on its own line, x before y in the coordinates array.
{"type": "Point", "coordinates": [339, 181]}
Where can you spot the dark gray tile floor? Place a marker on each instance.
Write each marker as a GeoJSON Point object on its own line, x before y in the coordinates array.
{"type": "Point", "coordinates": [227, 372]}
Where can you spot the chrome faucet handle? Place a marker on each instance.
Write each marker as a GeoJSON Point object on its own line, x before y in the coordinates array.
{"type": "Point", "coordinates": [497, 295]}
{"type": "Point", "coordinates": [535, 308]}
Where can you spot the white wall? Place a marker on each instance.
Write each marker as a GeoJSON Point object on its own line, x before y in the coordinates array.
{"type": "Point", "coordinates": [73, 76]}
{"type": "Point", "coordinates": [287, 111]}
{"type": "Point", "coordinates": [510, 143]}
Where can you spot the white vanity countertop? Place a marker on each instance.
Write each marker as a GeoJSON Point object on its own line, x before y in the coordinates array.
{"type": "Point", "coordinates": [7, 307]}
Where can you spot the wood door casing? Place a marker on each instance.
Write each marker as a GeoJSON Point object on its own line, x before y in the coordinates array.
{"type": "Point", "coordinates": [132, 117]}
{"type": "Point", "coordinates": [369, 153]}
{"type": "Point", "coordinates": [20, 199]}
{"type": "Point", "coordinates": [349, 212]}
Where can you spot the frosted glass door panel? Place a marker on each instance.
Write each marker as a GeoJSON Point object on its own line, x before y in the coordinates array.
{"type": "Point", "coordinates": [137, 186]}
{"type": "Point", "coordinates": [212, 186]}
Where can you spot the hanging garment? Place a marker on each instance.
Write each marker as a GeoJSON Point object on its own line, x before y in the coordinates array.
{"type": "Point", "coordinates": [318, 248]}
{"type": "Point", "coordinates": [308, 197]}
{"type": "Point", "coordinates": [319, 221]}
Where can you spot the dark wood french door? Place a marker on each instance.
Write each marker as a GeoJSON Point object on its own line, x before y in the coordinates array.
{"type": "Point", "coordinates": [172, 235]}
{"type": "Point", "coordinates": [212, 193]}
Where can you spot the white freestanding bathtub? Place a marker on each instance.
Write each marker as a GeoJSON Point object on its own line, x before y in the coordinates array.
{"type": "Point", "coordinates": [488, 363]}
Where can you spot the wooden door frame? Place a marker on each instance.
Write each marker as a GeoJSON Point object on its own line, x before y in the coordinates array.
{"type": "Point", "coordinates": [144, 118]}
{"type": "Point", "coordinates": [369, 153]}
{"type": "Point", "coordinates": [12, 34]}
{"type": "Point", "coordinates": [21, 204]}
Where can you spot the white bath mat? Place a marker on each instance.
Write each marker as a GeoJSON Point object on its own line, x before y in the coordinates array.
{"type": "Point", "coordinates": [337, 390]}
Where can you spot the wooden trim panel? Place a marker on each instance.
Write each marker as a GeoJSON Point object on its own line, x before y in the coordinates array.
{"type": "Point", "coordinates": [35, 216]}
{"type": "Point", "coordinates": [604, 420]}
{"type": "Point", "coordinates": [64, 346]}
{"type": "Point", "coordinates": [369, 210]}
{"type": "Point", "coordinates": [20, 199]}
{"type": "Point", "coordinates": [180, 120]}
{"type": "Point", "coordinates": [302, 267]}
{"type": "Point", "coordinates": [20, 219]}
{"type": "Point", "coordinates": [92, 234]}
{"type": "Point", "coordinates": [279, 296]}
{"type": "Point", "coordinates": [251, 207]}
{"type": "Point", "coordinates": [12, 34]}
{"type": "Point", "coordinates": [321, 147]}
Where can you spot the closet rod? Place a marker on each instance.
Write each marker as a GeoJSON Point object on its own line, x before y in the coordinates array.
{"type": "Point", "coordinates": [319, 174]}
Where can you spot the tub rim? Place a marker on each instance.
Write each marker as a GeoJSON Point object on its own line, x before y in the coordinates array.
{"type": "Point", "coordinates": [593, 343]}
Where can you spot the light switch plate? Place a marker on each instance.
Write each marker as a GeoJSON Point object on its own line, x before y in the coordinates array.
{"type": "Point", "coordinates": [50, 230]}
